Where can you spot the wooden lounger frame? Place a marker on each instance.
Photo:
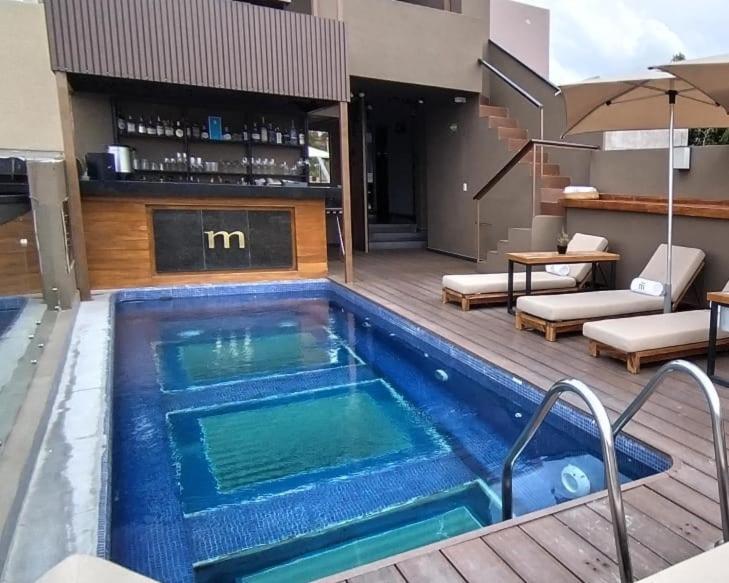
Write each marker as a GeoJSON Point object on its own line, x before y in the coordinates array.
{"type": "Point", "coordinates": [468, 300]}
{"type": "Point", "coordinates": [634, 360]}
{"type": "Point", "coordinates": [552, 329]}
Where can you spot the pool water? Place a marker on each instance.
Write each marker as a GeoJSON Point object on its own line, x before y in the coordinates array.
{"type": "Point", "coordinates": [287, 436]}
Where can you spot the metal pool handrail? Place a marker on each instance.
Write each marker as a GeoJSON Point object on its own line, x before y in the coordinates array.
{"type": "Point", "coordinates": [712, 398]}
{"type": "Point", "coordinates": [612, 479]}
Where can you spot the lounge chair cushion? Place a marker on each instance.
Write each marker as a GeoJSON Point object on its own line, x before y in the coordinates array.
{"type": "Point", "coordinates": [685, 263]}
{"type": "Point", "coordinates": [652, 332]}
{"type": "Point", "coordinates": [584, 305]}
{"type": "Point", "coordinates": [597, 304]}
{"type": "Point", "coordinates": [582, 242]}
{"type": "Point", "coordinates": [486, 283]}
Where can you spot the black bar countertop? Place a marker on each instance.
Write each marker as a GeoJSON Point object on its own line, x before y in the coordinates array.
{"type": "Point", "coordinates": [105, 188]}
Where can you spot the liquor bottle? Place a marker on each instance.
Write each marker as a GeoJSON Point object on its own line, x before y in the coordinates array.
{"type": "Point", "coordinates": [255, 134]}
{"type": "Point", "coordinates": [302, 139]}
{"type": "Point", "coordinates": [204, 134]}
{"type": "Point", "coordinates": [141, 128]}
{"type": "Point", "coordinates": [169, 130]}
{"type": "Point", "coordinates": [245, 133]}
{"type": "Point", "coordinates": [237, 137]}
{"type": "Point", "coordinates": [131, 126]}
{"type": "Point", "coordinates": [196, 131]}
{"type": "Point", "coordinates": [188, 131]}
{"type": "Point", "coordinates": [264, 132]}
{"type": "Point", "coordinates": [279, 135]}
{"type": "Point", "coordinates": [179, 133]}
{"type": "Point", "coordinates": [226, 134]}
{"type": "Point", "coordinates": [121, 124]}
{"type": "Point", "coordinates": [271, 134]}
{"type": "Point", "coordinates": [293, 134]}
{"type": "Point", "coordinates": [151, 127]}
{"type": "Point", "coordinates": [159, 128]}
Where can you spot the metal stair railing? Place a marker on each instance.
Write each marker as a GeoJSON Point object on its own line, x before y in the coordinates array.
{"type": "Point", "coordinates": [612, 478]}
{"type": "Point", "coordinates": [712, 398]}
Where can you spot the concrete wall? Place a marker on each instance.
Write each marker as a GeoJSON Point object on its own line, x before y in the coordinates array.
{"type": "Point", "coordinates": [523, 30]}
{"type": "Point", "coordinates": [645, 172]}
{"type": "Point", "coordinates": [462, 149]}
{"type": "Point", "coordinates": [29, 115]}
{"type": "Point", "coordinates": [407, 43]}
{"type": "Point", "coordinates": [635, 236]}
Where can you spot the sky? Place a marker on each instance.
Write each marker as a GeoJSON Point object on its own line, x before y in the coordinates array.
{"type": "Point", "coordinates": [608, 37]}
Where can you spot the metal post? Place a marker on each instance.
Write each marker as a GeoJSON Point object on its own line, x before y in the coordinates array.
{"type": "Point", "coordinates": [478, 232]}
{"type": "Point", "coordinates": [668, 299]}
{"type": "Point", "coordinates": [612, 479]}
{"type": "Point", "coordinates": [712, 398]}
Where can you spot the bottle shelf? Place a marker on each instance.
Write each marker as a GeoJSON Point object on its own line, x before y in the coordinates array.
{"type": "Point", "coordinates": [126, 136]}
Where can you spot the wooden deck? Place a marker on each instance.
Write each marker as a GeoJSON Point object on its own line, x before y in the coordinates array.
{"type": "Point", "coordinates": [670, 517]}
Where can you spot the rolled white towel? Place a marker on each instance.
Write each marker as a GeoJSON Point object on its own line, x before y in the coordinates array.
{"type": "Point", "coordinates": [558, 269]}
{"type": "Point", "coordinates": [647, 287]}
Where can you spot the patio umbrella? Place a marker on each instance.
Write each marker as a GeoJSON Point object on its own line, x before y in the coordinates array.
{"type": "Point", "coordinates": [644, 101]}
{"type": "Point", "coordinates": [710, 74]}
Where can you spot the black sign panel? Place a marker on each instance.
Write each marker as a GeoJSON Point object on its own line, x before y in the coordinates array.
{"type": "Point", "coordinates": [222, 240]}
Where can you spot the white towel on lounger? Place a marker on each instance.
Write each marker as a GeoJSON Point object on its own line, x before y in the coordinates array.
{"type": "Point", "coordinates": [562, 270]}
{"type": "Point", "coordinates": [647, 287]}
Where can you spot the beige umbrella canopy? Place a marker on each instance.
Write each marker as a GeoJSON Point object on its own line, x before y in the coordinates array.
{"type": "Point", "coordinates": [645, 101]}
{"type": "Point", "coordinates": [639, 102]}
{"type": "Point", "coordinates": [711, 74]}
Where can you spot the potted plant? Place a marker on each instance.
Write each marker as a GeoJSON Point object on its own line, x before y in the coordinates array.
{"type": "Point", "coordinates": [563, 239]}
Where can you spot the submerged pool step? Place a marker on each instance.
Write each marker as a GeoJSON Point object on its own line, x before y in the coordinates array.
{"type": "Point", "coordinates": [274, 386]}
{"type": "Point", "coordinates": [363, 541]}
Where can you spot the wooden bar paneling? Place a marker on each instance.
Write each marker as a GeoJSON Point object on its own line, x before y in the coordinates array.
{"type": "Point", "coordinates": [120, 243]}
{"type": "Point", "coordinates": [19, 266]}
{"type": "Point", "coordinates": [208, 43]}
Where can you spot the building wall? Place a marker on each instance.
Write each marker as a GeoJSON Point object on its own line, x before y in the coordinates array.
{"type": "Point", "coordinates": [29, 115]}
{"type": "Point", "coordinates": [645, 172]}
{"type": "Point", "coordinates": [407, 43]}
{"type": "Point", "coordinates": [635, 236]}
{"type": "Point", "coordinates": [523, 30]}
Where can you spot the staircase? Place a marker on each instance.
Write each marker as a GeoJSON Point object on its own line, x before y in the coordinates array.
{"type": "Point", "coordinates": [542, 234]}
{"type": "Point", "coordinates": [396, 236]}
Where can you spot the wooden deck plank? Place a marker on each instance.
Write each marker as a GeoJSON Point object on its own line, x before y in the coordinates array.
{"type": "Point", "coordinates": [530, 561]}
{"type": "Point", "coordinates": [385, 575]}
{"type": "Point", "coordinates": [430, 568]}
{"type": "Point", "coordinates": [671, 547]}
{"type": "Point", "coordinates": [573, 551]}
{"type": "Point", "coordinates": [477, 563]}
{"type": "Point", "coordinates": [674, 517]}
{"type": "Point", "coordinates": [670, 518]}
{"type": "Point", "coordinates": [591, 526]}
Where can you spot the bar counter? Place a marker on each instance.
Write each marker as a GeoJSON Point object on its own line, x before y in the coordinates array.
{"type": "Point", "coordinates": [168, 233]}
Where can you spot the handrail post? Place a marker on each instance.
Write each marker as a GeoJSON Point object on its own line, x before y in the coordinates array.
{"type": "Point", "coordinates": [712, 397]}
{"type": "Point", "coordinates": [612, 477]}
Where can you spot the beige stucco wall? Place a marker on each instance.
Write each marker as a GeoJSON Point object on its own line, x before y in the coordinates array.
{"type": "Point", "coordinates": [407, 43]}
{"type": "Point", "coordinates": [645, 172]}
{"type": "Point", "coordinates": [522, 30]}
{"type": "Point", "coordinates": [29, 118]}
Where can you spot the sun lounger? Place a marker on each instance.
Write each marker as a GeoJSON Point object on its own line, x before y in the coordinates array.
{"type": "Point", "coordinates": [554, 314]}
{"type": "Point", "coordinates": [491, 288]}
{"type": "Point", "coordinates": [654, 338]}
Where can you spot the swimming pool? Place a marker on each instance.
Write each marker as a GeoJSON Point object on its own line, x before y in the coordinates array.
{"type": "Point", "coordinates": [284, 432]}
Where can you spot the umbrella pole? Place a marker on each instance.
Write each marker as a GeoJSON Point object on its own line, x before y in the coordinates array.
{"type": "Point", "coordinates": [668, 297]}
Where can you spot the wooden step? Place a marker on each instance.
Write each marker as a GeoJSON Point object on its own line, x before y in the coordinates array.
{"type": "Point", "coordinates": [496, 121]}
{"type": "Point", "coordinates": [552, 208]}
{"type": "Point", "coordinates": [515, 144]}
{"type": "Point", "coordinates": [527, 159]}
{"type": "Point", "coordinates": [551, 194]}
{"type": "Point", "coordinates": [492, 111]}
{"type": "Point", "coordinates": [506, 133]}
{"type": "Point", "coordinates": [544, 170]}
{"type": "Point", "coordinates": [555, 181]}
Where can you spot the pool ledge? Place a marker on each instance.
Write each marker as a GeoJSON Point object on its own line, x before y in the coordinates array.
{"type": "Point", "coordinates": [62, 513]}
